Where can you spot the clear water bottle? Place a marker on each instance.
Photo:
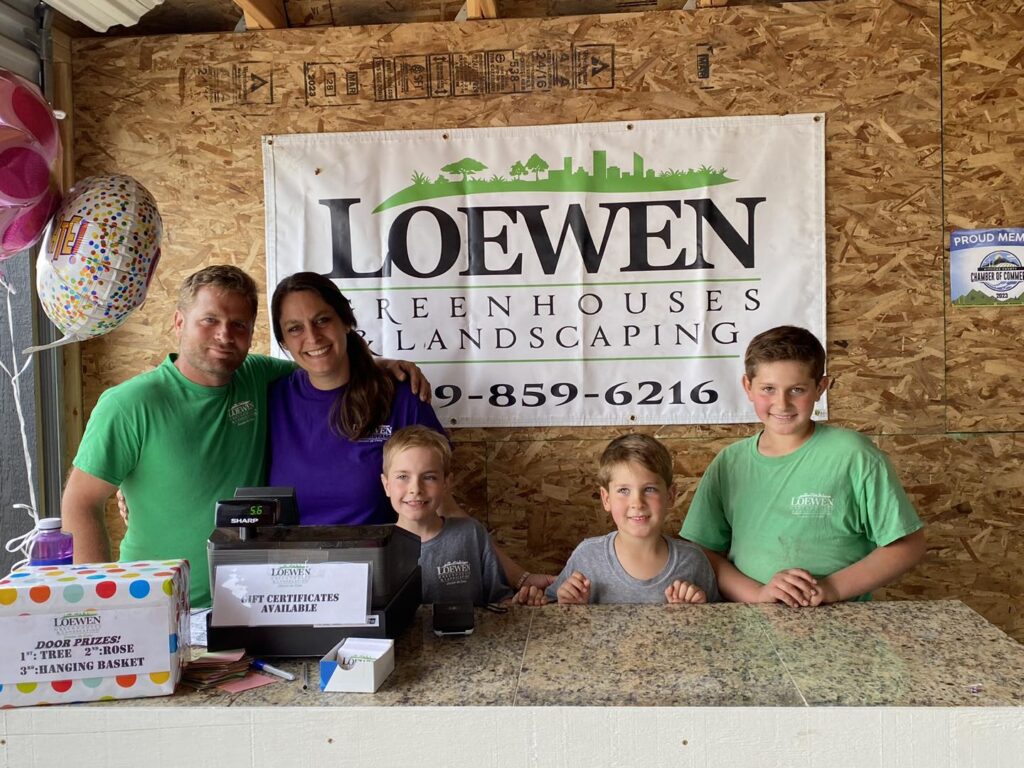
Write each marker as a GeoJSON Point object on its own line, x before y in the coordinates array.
{"type": "Point", "coordinates": [51, 546]}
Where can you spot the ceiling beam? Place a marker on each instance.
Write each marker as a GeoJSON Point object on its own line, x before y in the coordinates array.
{"type": "Point", "coordinates": [263, 14]}
{"type": "Point", "coordinates": [481, 9]}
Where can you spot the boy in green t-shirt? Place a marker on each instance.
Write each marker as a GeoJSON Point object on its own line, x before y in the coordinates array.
{"type": "Point", "coordinates": [800, 513]}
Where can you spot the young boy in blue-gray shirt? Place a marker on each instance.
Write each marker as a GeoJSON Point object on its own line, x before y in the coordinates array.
{"type": "Point", "coordinates": [635, 563]}
{"type": "Point", "coordinates": [457, 560]}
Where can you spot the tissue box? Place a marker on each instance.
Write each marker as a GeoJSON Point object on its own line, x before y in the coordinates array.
{"type": "Point", "coordinates": [89, 632]}
{"type": "Point", "coordinates": [371, 661]}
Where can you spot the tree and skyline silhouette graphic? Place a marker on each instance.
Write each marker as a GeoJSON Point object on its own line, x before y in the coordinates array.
{"type": "Point", "coordinates": [571, 177]}
{"type": "Point", "coordinates": [974, 297]}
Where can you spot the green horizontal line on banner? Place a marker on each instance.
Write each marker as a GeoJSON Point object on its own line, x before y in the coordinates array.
{"type": "Point", "coordinates": [577, 359]}
{"type": "Point", "coordinates": [348, 289]}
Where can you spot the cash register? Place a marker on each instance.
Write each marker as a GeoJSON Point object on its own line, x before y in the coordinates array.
{"type": "Point", "coordinates": [259, 527]}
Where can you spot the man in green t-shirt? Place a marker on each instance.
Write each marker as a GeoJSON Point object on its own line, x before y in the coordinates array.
{"type": "Point", "coordinates": [178, 438]}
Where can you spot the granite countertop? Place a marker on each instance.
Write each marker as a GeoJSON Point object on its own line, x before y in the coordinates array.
{"type": "Point", "coordinates": [919, 653]}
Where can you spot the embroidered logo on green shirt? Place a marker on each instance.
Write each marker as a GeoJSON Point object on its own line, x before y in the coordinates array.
{"type": "Point", "coordinates": [811, 505]}
{"type": "Point", "coordinates": [242, 413]}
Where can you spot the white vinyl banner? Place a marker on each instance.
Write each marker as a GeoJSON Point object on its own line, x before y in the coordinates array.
{"type": "Point", "coordinates": [603, 273]}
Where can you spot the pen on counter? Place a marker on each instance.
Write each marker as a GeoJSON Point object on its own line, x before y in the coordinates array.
{"type": "Point", "coordinates": [264, 667]}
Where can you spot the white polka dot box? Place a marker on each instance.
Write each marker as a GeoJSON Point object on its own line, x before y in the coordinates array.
{"type": "Point", "coordinates": [92, 632]}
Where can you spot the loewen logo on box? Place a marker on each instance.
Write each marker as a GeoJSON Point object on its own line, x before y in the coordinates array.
{"type": "Point", "coordinates": [77, 624]}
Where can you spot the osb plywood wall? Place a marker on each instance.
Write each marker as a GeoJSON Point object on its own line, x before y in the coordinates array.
{"type": "Point", "coordinates": [906, 369]}
{"type": "Point", "coordinates": [983, 126]}
{"type": "Point", "coordinates": [984, 150]}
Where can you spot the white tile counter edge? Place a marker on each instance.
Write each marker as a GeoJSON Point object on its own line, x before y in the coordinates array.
{"type": "Point", "coordinates": [429, 737]}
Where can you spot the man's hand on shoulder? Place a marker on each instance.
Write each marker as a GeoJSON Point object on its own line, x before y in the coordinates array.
{"type": "Point", "coordinates": [122, 507]}
{"type": "Point", "coordinates": [403, 369]}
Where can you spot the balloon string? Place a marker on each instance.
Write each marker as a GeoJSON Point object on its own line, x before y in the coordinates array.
{"type": "Point", "coordinates": [24, 541]}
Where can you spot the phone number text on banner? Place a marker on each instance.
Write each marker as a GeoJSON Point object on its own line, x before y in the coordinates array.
{"type": "Point", "coordinates": [591, 274]}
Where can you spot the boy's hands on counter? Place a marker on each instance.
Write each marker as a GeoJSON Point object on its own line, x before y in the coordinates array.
{"type": "Point", "coordinates": [575, 590]}
{"type": "Point", "coordinates": [684, 592]}
{"type": "Point", "coordinates": [530, 595]}
{"type": "Point", "coordinates": [825, 593]}
{"type": "Point", "coordinates": [539, 580]}
{"type": "Point", "coordinates": [793, 586]}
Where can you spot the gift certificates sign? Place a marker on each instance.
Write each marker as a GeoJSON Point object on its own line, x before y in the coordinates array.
{"type": "Point", "coordinates": [606, 273]}
{"type": "Point", "coordinates": [291, 593]}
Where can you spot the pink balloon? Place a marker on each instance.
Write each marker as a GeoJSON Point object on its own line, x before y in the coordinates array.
{"type": "Point", "coordinates": [27, 225]}
{"type": "Point", "coordinates": [24, 172]}
{"type": "Point", "coordinates": [22, 106]}
{"type": "Point", "coordinates": [29, 160]}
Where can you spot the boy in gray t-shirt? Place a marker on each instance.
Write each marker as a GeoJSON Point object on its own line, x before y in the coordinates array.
{"type": "Point", "coordinates": [457, 561]}
{"type": "Point", "coordinates": [636, 563]}
{"type": "Point", "coordinates": [608, 581]}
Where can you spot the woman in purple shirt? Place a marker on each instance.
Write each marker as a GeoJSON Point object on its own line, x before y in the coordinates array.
{"type": "Point", "coordinates": [329, 419]}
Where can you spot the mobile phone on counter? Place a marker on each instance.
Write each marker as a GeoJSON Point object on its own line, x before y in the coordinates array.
{"type": "Point", "coordinates": [453, 619]}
